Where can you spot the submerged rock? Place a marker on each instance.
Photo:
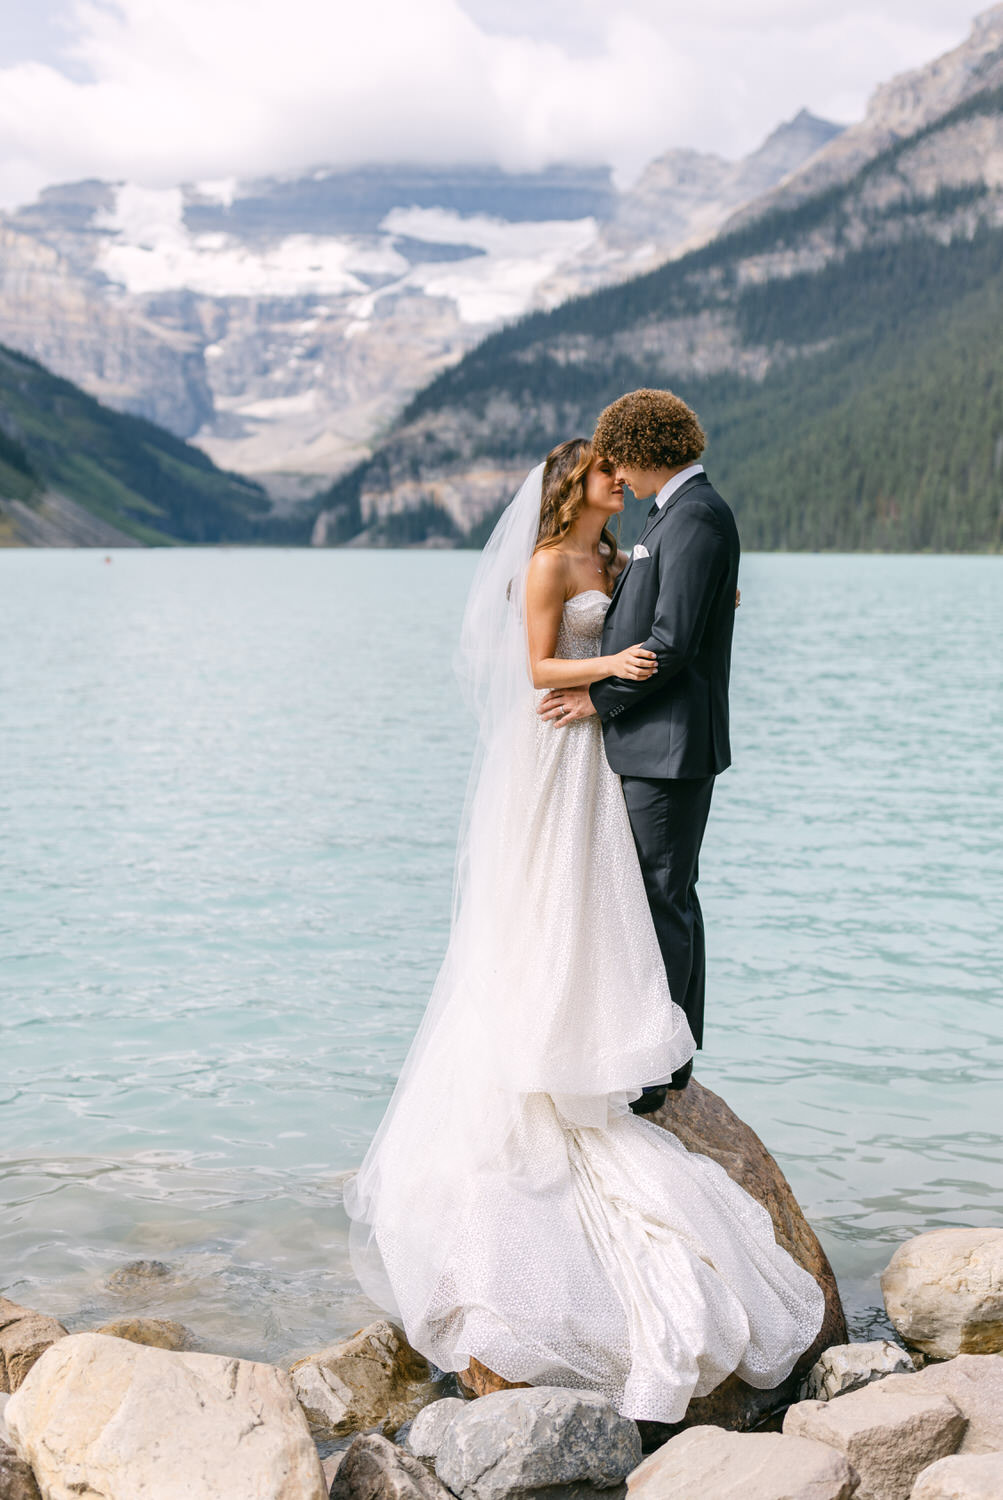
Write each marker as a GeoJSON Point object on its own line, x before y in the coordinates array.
{"type": "Point", "coordinates": [24, 1337]}
{"type": "Point", "coordinates": [712, 1464]}
{"type": "Point", "coordinates": [138, 1274]}
{"type": "Point", "coordinates": [372, 1380]}
{"type": "Point", "coordinates": [847, 1367]}
{"type": "Point", "coordinates": [533, 1442]}
{"type": "Point", "coordinates": [102, 1416]}
{"type": "Point", "coordinates": [157, 1333]}
{"type": "Point", "coordinates": [944, 1292]}
{"type": "Point", "coordinates": [704, 1123]}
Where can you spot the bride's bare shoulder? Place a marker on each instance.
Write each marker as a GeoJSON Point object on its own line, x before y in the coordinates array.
{"type": "Point", "coordinates": [548, 571]}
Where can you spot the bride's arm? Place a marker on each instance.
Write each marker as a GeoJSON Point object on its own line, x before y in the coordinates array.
{"type": "Point", "coordinates": [546, 595]}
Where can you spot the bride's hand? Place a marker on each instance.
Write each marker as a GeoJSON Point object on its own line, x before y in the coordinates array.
{"type": "Point", "coordinates": [637, 663]}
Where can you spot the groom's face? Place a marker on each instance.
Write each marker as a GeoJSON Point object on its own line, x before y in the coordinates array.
{"type": "Point", "coordinates": [643, 482]}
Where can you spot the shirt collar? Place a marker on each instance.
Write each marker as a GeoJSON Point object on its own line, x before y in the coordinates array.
{"type": "Point", "coordinates": [669, 489]}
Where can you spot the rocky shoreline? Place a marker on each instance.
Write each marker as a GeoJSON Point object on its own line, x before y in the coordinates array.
{"type": "Point", "coordinates": [134, 1410]}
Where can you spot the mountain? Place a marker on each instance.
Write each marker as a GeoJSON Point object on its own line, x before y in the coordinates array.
{"type": "Point", "coordinates": [282, 323]}
{"type": "Point", "coordinates": [842, 347]}
{"type": "Point", "coordinates": [74, 473]}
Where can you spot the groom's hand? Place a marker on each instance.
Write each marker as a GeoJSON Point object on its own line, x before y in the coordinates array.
{"type": "Point", "coordinates": [565, 705]}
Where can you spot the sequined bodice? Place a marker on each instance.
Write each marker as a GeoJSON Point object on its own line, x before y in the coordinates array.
{"type": "Point", "coordinates": [580, 634]}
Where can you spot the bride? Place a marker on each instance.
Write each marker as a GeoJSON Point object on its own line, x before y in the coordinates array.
{"type": "Point", "coordinates": [511, 1208]}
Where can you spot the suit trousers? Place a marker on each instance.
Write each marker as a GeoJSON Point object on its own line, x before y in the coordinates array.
{"type": "Point", "coordinates": [667, 819]}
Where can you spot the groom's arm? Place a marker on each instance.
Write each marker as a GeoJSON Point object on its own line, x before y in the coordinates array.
{"type": "Point", "coordinates": [691, 571]}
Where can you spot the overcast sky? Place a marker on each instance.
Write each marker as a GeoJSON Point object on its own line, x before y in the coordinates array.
{"type": "Point", "coordinates": [163, 91]}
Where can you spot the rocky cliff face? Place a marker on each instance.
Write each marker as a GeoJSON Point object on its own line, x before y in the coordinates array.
{"type": "Point", "coordinates": [867, 198]}
{"type": "Point", "coordinates": [282, 323]}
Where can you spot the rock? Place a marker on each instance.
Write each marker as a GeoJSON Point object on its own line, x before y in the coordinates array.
{"type": "Point", "coordinates": [137, 1274]}
{"type": "Point", "coordinates": [17, 1482]}
{"type": "Point", "coordinates": [157, 1333]}
{"type": "Point", "coordinates": [374, 1469]}
{"type": "Point", "coordinates": [847, 1367]}
{"type": "Point", "coordinates": [887, 1436]}
{"type": "Point", "coordinates": [542, 1441]}
{"type": "Point", "coordinates": [372, 1380]}
{"type": "Point", "coordinates": [429, 1427]}
{"type": "Point", "coordinates": [944, 1292]}
{"type": "Point", "coordinates": [708, 1463]}
{"type": "Point", "coordinates": [24, 1337]}
{"type": "Point", "coordinates": [330, 1466]}
{"type": "Point", "coordinates": [704, 1123]}
{"type": "Point", "coordinates": [102, 1416]}
{"type": "Point", "coordinates": [974, 1382]}
{"type": "Point", "coordinates": [4, 1434]}
{"type": "Point", "coordinates": [972, 1477]}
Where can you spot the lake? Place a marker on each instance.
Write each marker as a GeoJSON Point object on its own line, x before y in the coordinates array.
{"type": "Point", "coordinates": [230, 782]}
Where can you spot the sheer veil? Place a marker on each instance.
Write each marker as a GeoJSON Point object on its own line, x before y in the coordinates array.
{"type": "Point", "coordinates": [463, 1128]}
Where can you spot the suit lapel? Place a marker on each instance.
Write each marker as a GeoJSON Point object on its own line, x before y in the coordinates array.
{"type": "Point", "coordinates": [650, 525]}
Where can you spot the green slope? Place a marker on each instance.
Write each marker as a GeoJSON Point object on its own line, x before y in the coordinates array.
{"type": "Point", "coordinates": [122, 470]}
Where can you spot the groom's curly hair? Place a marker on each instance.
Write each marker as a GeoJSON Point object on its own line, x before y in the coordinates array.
{"type": "Point", "coordinates": [649, 429]}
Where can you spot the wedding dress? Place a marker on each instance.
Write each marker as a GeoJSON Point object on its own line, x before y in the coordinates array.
{"type": "Point", "coordinates": [511, 1208]}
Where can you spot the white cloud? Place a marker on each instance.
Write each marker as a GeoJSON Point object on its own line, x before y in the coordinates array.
{"type": "Point", "coordinates": [161, 91]}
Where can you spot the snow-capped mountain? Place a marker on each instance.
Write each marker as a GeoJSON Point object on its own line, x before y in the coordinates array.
{"type": "Point", "coordinates": [282, 323]}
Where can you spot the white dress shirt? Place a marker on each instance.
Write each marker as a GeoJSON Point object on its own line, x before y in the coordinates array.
{"type": "Point", "coordinates": [669, 489]}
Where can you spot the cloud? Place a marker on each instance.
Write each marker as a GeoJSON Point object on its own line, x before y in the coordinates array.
{"type": "Point", "coordinates": [162, 91]}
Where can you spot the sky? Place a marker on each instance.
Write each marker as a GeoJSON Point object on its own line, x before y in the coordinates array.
{"type": "Point", "coordinates": [166, 91]}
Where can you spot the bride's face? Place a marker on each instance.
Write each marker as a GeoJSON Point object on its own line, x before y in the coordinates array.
{"type": "Point", "coordinates": [603, 491]}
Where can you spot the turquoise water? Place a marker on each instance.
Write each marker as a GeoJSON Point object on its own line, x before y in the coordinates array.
{"type": "Point", "coordinates": [229, 788]}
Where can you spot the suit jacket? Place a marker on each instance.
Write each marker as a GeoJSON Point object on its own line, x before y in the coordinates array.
{"type": "Point", "coordinates": [680, 602]}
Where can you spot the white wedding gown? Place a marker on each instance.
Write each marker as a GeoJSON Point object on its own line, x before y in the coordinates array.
{"type": "Point", "coordinates": [511, 1208]}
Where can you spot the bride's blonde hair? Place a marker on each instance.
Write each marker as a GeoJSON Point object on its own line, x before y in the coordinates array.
{"type": "Point", "coordinates": [564, 475]}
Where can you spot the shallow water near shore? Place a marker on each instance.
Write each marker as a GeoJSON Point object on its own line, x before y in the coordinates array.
{"type": "Point", "coordinates": [229, 788]}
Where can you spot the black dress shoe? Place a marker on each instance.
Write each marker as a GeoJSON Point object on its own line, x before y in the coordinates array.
{"type": "Point", "coordinates": [681, 1077]}
{"type": "Point", "coordinates": [650, 1100]}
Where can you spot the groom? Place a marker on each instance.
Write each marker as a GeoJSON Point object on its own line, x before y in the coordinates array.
{"type": "Point", "coordinates": [667, 737]}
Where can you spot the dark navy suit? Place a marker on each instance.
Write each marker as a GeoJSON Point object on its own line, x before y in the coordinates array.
{"type": "Point", "coordinates": [668, 737]}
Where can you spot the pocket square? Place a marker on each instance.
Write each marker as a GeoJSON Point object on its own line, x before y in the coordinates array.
{"type": "Point", "coordinates": [640, 551]}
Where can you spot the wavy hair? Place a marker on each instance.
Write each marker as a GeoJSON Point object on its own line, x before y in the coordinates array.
{"type": "Point", "coordinates": [564, 476]}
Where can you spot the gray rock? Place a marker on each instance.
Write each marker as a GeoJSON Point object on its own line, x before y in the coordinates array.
{"type": "Point", "coordinates": [708, 1463]}
{"type": "Point", "coordinates": [944, 1292]}
{"type": "Point", "coordinates": [974, 1382]}
{"type": "Point", "coordinates": [372, 1380]}
{"type": "Point", "coordinates": [545, 1441]}
{"type": "Point", "coordinates": [330, 1467]}
{"type": "Point", "coordinates": [429, 1427]}
{"type": "Point", "coordinates": [24, 1337]}
{"type": "Point", "coordinates": [4, 1434]}
{"type": "Point", "coordinates": [889, 1436]}
{"type": "Point", "coordinates": [17, 1482]}
{"type": "Point", "coordinates": [962, 1477]}
{"type": "Point", "coordinates": [847, 1367]}
{"type": "Point", "coordinates": [374, 1469]}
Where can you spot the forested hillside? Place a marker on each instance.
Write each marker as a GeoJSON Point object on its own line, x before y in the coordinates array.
{"type": "Point", "coordinates": [845, 355]}
{"type": "Point", "coordinates": [73, 472]}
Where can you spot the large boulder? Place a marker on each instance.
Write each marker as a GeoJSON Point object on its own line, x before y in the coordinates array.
{"type": "Point", "coordinates": [968, 1477]}
{"type": "Point", "coordinates": [374, 1469]}
{"type": "Point", "coordinates": [708, 1463]}
{"type": "Point", "coordinates": [102, 1416]}
{"type": "Point", "coordinates": [429, 1427]}
{"type": "Point", "coordinates": [512, 1445]}
{"type": "Point", "coordinates": [847, 1367]}
{"type": "Point", "coordinates": [374, 1380]}
{"type": "Point", "coordinates": [944, 1292]}
{"type": "Point", "coordinates": [24, 1337]}
{"type": "Point", "coordinates": [704, 1123]}
{"type": "Point", "coordinates": [974, 1382]}
{"type": "Point", "coordinates": [889, 1436]}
